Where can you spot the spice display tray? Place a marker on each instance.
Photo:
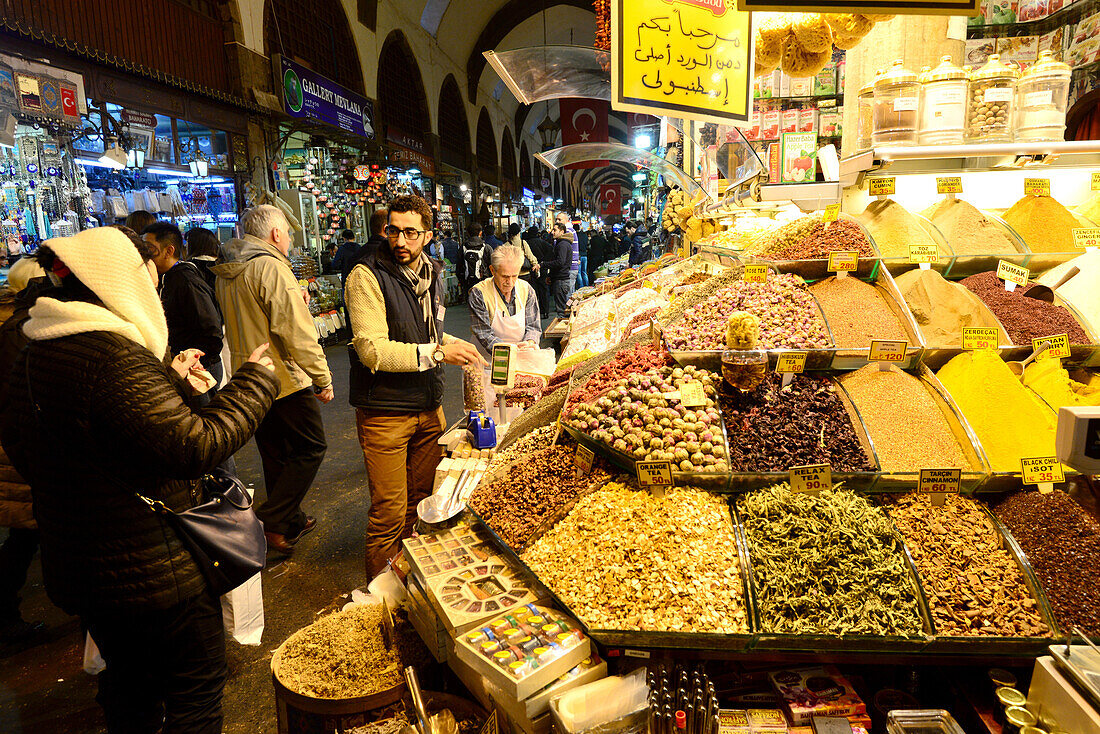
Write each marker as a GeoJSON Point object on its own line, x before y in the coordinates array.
{"type": "Point", "coordinates": [552, 653]}
{"type": "Point", "coordinates": [817, 268]}
{"type": "Point", "coordinates": [849, 359]}
{"type": "Point", "coordinates": [446, 551]}
{"type": "Point", "coordinates": [527, 711]}
{"type": "Point", "coordinates": [1043, 261]}
{"type": "Point", "coordinates": [900, 264]}
{"type": "Point", "coordinates": [971, 480]}
{"type": "Point", "coordinates": [966, 265]}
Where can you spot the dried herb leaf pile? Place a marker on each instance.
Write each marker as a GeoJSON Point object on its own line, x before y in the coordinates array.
{"type": "Point", "coordinates": [827, 564]}
{"type": "Point", "coordinates": [624, 559]}
{"type": "Point", "coordinates": [973, 585]}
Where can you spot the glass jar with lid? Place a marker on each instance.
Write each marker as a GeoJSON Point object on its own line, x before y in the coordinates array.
{"type": "Point", "coordinates": [943, 104]}
{"type": "Point", "coordinates": [1041, 97]}
{"type": "Point", "coordinates": [895, 108]}
{"type": "Point", "coordinates": [865, 120]}
{"type": "Point", "coordinates": [992, 92]}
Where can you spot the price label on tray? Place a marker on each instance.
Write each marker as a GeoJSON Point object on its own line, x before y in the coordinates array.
{"type": "Point", "coordinates": [793, 363]}
{"type": "Point", "coordinates": [755, 274]}
{"type": "Point", "coordinates": [1059, 345]}
{"type": "Point", "coordinates": [1096, 181]}
{"type": "Point", "coordinates": [654, 474]}
{"type": "Point", "coordinates": [1046, 471]}
{"type": "Point", "coordinates": [887, 350]}
{"type": "Point", "coordinates": [980, 337]}
{"type": "Point", "coordinates": [1012, 274]}
{"type": "Point", "coordinates": [584, 458]}
{"type": "Point", "coordinates": [882, 186]}
{"type": "Point", "coordinates": [692, 395]}
{"type": "Point", "coordinates": [832, 213]}
{"type": "Point", "coordinates": [811, 478]}
{"type": "Point", "coordinates": [923, 253]}
{"type": "Point", "coordinates": [949, 185]}
{"type": "Point", "coordinates": [1085, 237]}
{"type": "Point", "coordinates": [939, 482]}
{"type": "Point", "coordinates": [843, 262]}
{"type": "Point", "coordinates": [1037, 186]}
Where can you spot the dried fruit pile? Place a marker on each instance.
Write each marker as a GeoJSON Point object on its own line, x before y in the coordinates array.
{"type": "Point", "coordinates": [633, 361]}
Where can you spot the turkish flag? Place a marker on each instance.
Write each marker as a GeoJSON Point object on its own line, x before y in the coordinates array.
{"type": "Point", "coordinates": [583, 121]}
{"type": "Point", "coordinates": [611, 200]}
{"type": "Point", "coordinates": [68, 101]}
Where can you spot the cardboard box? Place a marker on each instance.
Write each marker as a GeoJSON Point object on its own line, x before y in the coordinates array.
{"type": "Point", "coordinates": [426, 622]}
{"type": "Point", "coordinates": [819, 691]}
{"type": "Point", "coordinates": [825, 81]}
{"type": "Point", "coordinates": [1028, 10]}
{"type": "Point", "coordinates": [1055, 42]}
{"type": "Point", "coordinates": [769, 126]}
{"type": "Point", "coordinates": [766, 720]}
{"type": "Point", "coordinates": [798, 157]}
{"type": "Point", "coordinates": [978, 50]}
{"type": "Point", "coordinates": [802, 86]}
{"type": "Point", "coordinates": [807, 120]}
{"type": "Point", "coordinates": [784, 85]}
{"type": "Point", "coordinates": [1019, 49]}
{"type": "Point", "coordinates": [528, 712]}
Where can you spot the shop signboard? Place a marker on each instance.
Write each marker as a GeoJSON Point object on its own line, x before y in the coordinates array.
{"type": "Point", "coordinates": [894, 7]}
{"type": "Point", "coordinates": [307, 94]}
{"type": "Point", "coordinates": [685, 58]}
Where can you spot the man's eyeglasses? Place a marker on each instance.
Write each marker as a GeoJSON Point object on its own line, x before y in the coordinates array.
{"type": "Point", "coordinates": [411, 235]}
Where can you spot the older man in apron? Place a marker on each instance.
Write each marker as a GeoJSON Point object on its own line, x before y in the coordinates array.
{"type": "Point", "coordinates": [503, 308]}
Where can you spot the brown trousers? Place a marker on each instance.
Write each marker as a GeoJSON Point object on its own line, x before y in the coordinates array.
{"type": "Point", "coordinates": [401, 452]}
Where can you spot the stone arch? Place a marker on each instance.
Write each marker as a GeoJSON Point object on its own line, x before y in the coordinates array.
{"type": "Point", "coordinates": [325, 43]}
{"type": "Point", "coordinates": [508, 157]}
{"type": "Point", "coordinates": [486, 148]}
{"type": "Point", "coordinates": [454, 127]}
{"type": "Point", "coordinates": [401, 98]}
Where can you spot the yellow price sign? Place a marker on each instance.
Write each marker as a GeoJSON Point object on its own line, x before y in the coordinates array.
{"type": "Point", "coordinates": [1042, 470]}
{"type": "Point", "coordinates": [793, 363]}
{"type": "Point", "coordinates": [1010, 273]}
{"type": "Point", "coordinates": [939, 481]}
{"type": "Point", "coordinates": [1086, 237]}
{"type": "Point", "coordinates": [1037, 186]}
{"type": "Point", "coordinates": [647, 283]}
{"type": "Point", "coordinates": [692, 395]}
{"type": "Point", "coordinates": [654, 473]}
{"type": "Point", "coordinates": [832, 213]}
{"type": "Point", "coordinates": [1059, 345]}
{"type": "Point", "coordinates": [923, 253]}
{"type": "Point", "coordinates": [843, 262]}
{"type": "Point", "coordinates": [755, 274]}
{"type": "Point", "coordinates": [882, 186]}
{"type": "Point", "coordinates": [690, 60]}
{"type": "Point", "coordinates": [980, 337]}
{"type": "Point", "coordinates": [887, 350]}
{"type": "Point", "coordinates": [585, 457]}
{"type": "Point", "coordinates": [949, 185]}
{"type": "Point", "coordinates": [1096, 181]}
{"type": "Point", "coordinates": [811, 478]}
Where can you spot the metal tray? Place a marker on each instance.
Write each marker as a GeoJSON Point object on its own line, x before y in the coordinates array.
{"type": "Point", "coordinates": [899, 264]}
{"type": "Point", "coordinates": [818, 268]}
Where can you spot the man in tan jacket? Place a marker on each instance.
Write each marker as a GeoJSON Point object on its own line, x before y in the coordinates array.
{"type": "Point", "coordinates": [262, 302]}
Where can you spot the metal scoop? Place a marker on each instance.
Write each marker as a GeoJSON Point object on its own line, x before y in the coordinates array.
{"type": "Point", "coordinates": [1046, 293]}
{"type": "Point", "coordinates": [1018, 367]}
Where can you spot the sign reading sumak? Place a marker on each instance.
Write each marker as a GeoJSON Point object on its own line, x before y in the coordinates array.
{"type": "Point", "coordinates": [690, 58]}
{"type": "Point", "coordinates": [310, 95]}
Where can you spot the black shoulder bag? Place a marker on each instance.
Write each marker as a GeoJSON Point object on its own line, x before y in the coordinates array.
{"type": "Point", "coordinates": [223, 534]}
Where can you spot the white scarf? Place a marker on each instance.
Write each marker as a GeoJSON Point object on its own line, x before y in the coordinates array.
{"type": "Point", "coordinates": [105, 260]}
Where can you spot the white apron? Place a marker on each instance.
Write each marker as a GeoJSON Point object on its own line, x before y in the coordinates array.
{"type": "Point", "coordinates": [505, 326]}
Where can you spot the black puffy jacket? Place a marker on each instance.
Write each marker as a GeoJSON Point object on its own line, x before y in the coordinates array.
{"type": "Point", "coordinates": [111, 414]}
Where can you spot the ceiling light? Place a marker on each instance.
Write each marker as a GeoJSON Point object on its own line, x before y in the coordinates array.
{"type": "Point", "coordinates": [462, 188]}
{"type": "Point", "coordinates": [113, 157]}
{"type": "Point", "coordinates": [414, 171]}
{"type": "Point", "coordinates": [643, 141]}
{"type": "Point", "coordinates": [639, 177]}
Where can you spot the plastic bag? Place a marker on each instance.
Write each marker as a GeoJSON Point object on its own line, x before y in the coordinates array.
{"type": "Point", "coordinates": [93, 661]}
{"type": "Point", "coordinates": [243, 612]}
{"type": "Point", "coordinates": [536, 361]}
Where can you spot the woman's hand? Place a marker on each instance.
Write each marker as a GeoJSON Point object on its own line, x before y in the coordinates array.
{"type": "Point", "coordinates": [185, 360]}
{"type": "Point", "coordinates": [259, 357]}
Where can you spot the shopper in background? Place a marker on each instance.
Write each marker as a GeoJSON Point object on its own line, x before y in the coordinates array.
{"type": "Point", "coordinates": [205, 251]}
{"type": "Point", "coordinates": [597, 252]}
{"type": "Point", "coordinates": [110, 419]}
{"type": "Point", "coordinates": [377, 239]}
{"type": "Point", "coordinates": [563, 219]}
{"type": "Point", "coordinates": [262, 302]}
{"type": "Point", "coordinates": [451, 248]}
{"type": "Point", "coordinates": [326, 260]}
{"type": "Point", "coordinates": [490, 236]}
{"type": "Point", "coordinates": [395, 303]}
{"type": "Point", "coordinates": [504, 309]}
{"type": "Point", "coordinates": [558, 269]}
{"type": "Point", "coordinates": [539, 253]}
{"type": "Point", "coordinates": [473, 263]}
{"type": "Point", "coordinates": [194, 321]}
{"type": "Point", "coordinates": [582, 252]}
{"type": "Point", "coordinates": [140, 219]}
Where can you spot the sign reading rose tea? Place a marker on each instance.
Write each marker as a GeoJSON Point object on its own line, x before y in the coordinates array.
{"type": "Point", "coordinates": [685, 58]}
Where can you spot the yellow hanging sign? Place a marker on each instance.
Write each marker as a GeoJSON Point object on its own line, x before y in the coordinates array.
{"type": "Point", "coordinates": [882, 186]}
{"type": "Point", "coordinates": [687, 58]}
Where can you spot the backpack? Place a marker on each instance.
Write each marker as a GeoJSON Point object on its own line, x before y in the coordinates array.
{"type": "Point", "coordinates": [472, 256]}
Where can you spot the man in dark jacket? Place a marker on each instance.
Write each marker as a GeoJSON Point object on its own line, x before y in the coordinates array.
{"type": "Point", "coordinates": [377, 238]}
{"type": "Point", "coordinates": [345, 253]}
{"type": "Point", "coordinates": [597, 248]}
{"type": "Point", "coordinates": [194, 320]}
{"type": "Point", "coordinates": [559, 268]}
{"type": "Point", "coordinates": [398, 348]}
{"type": "Point", "coordinates": [474, 260]}
{"type": "Point", "coordinates": [491, 238]}
{"type": "Point", "coordinates": [451, 248]}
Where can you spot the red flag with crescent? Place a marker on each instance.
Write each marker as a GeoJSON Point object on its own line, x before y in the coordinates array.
{"type": "Point", "coordinates": [611, 200]}
{"type": "Point", "coordinates": [584, 121]}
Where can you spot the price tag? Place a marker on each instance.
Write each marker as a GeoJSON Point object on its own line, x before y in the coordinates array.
{"type": "Point", "coordinates": [1086, 237]}
{"type": "Point", "coordinates": [812, 478]}
{"type": "Point", "coordinates": [1012, 275]}
{"type": "Point", "coordinates": [1045, 471]}
{"type": "Point", "coordinates": [886, 350]}
{"type": "Point", "coordinates": [949, 185]}
{"type": "Point", "coordinates": [843, 262]}
{"type": "Point", "coordinates": [755, 274]}
{"type": "Point", "coordinates": [939, 483]}
{"type": "Point", "coordinates": [609, 327]}
{"type": "Point", "coordinates": [923, 254]}
{"type": "Point", "coordinates": [980, 337]}
{"type": "Point", "coordinates": [1037, 186]}
{"type": "Point", "coordinates": [882, 186]}
{"type": "Point", "coordinates": [1059, 345]}
{"type": "Point", "coordinates": [584, 459]}
{"type": "Point", "coordinates": [692, 395]}
{"type": "Point", "coordinates": [832, 213]}
{"type": "Point", "coordinates": [791, 363]}
{"type": "Point", "coordinates": [1096, 181]}
{"type": "Point", "coordinates": [647, 283]}
{"type": "Point", "coordinates": [655, 474]}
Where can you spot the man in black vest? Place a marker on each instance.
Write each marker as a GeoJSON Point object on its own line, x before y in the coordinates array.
{"type": "Point", "coordinates": [395, 302]}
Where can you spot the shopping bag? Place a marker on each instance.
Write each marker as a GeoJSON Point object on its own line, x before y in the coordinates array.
{"type": "Point", "coordinates": [93, 661]}
{"type": "Point", "coordinates": [243, 612]}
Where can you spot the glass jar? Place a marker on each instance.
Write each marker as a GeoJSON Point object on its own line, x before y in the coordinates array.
{"type": "Point", "coordinates": [895, 108]}
{"type": "Point", "coordinates": [943, 104]}
{"type": "Point", "coordinates": [864, 122]}
{"type": "Point", "coordinates": [744, 369]}
{"type": "Point", "coordinates": [1041, 97]}
{"type": "Point", "coordinates": [991, 94]}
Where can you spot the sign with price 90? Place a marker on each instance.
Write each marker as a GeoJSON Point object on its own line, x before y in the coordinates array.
{"type": "Point", "coordinates": [811, 478]}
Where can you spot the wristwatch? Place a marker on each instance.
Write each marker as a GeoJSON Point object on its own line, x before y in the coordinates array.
{"type": "Point", "coordinates": [437, 355]}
